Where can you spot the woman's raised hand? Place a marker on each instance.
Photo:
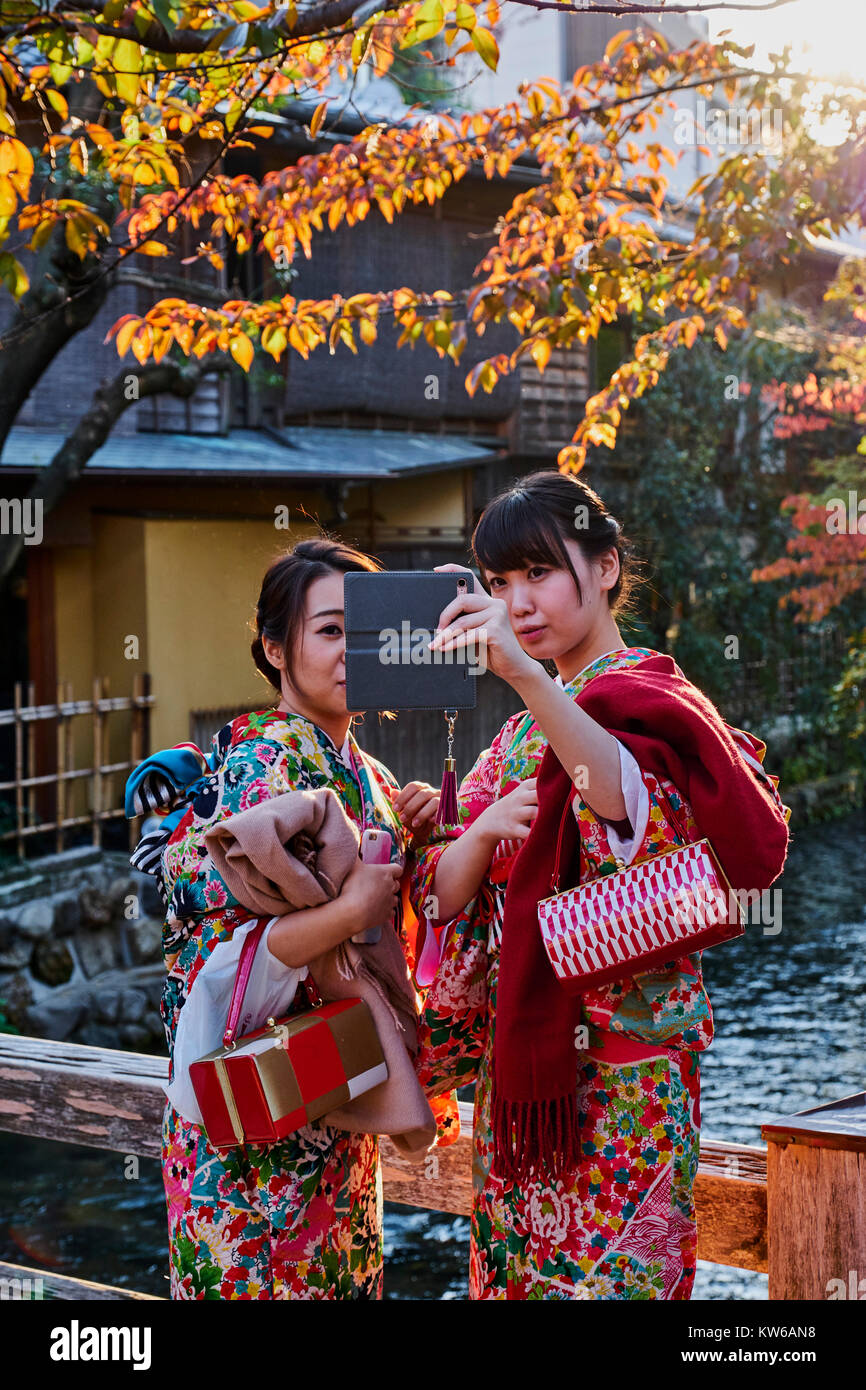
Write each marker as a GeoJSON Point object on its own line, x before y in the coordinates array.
{"type": "Point", "coordinates": [370, 892]}
{"type": "Point", "coordinates": [511, 817]}
{"type": "Point", "coordinates": [416, 805]}
{"type": "Point", "coordinates": [483, 627]}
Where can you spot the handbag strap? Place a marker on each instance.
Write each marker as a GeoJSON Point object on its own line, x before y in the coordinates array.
{"type": "Point", "coordinates": [242, 978]}
{"type": "Point", "coordinates": [674, 817]}
{"type": "Point", "coordinates": [357, 775]}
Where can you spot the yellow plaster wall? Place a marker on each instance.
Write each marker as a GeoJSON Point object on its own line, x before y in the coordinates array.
{"type": "Point", "coordinates": [433, 500]}
{"type": "Point", "coordinates": [202, 580]}
{"type": "Point", "coordinates": [73, 617]}
{"type": "Point", "coordinates": [73, 622]}
{"type": "Point", "coordinates": [186, 589]}
{"type": "Point", "coordinates": [99, 606]}
{"type": "Point", "coordinates": [120, 628]}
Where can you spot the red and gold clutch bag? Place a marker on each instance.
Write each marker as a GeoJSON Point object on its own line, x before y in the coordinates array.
{"type": "Point", "coordinates": [260, 1088]}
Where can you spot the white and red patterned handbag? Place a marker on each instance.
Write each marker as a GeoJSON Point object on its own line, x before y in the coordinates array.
{"type": "Point", "coordinates": [640, 916]}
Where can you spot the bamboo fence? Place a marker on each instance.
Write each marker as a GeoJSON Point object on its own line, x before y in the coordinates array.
{"type": "Point", "coordinates": [105, 803]}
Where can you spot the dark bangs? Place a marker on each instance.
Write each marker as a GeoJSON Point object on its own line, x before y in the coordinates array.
{"type": "Point", "coordinates": [516, 531]}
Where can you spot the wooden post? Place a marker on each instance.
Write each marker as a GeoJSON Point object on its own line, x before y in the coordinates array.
{"type": "Point", "coordinates": [816, 1201]}
{"type": "Point", "coordinates": [98, 723]}
{"type": "Point", "coordinates": [60, 800]}
{"type": "Point", "coordinates": [31, 755]}
{"type": "Point", "coordinates": [136, 746]}
{"type": "Point", "coordinates": [19, 771]}
{"type": "Point", "coordinates": [70, 794]}
{"type": "Point", "coordinates": [147, 693]}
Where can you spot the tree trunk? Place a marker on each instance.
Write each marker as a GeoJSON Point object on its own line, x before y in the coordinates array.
{"type": "Point", "coordinates": [65, 295]}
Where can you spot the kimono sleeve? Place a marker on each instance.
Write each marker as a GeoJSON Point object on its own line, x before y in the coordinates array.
{"type": "Point", "coordinates": [454, 1020]}
{"type": "Point", "coordinates": [625, 836]}
{"type": "Point", "coordinates": [443, 1102]}
{"type": "Point", "coordinates": [252, 771]}
{"type": "Point", "coordinates": [384, 776]}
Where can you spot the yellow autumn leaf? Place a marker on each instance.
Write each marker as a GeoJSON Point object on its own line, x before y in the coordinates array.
{"type": "Point", "coordinates": [126, 62]}
{"type": "Point", "coordinates": [242, 350]}
{"type": "Point", "coordinates": [297, 340]}
{"type": "Point", "coordinates": [142, 342]}
{"type": "Point", "coordinates": [161, 346]}
{"type": "Point", "coordinates": [76, 237]}
{"type": "Point", "coordinates": [125, 334]}
{"type": "Point", "coordinates": [485, 44]}
{"type": "Point", "coordinates": [318, 117]}
{"type": "Point", "coordinates": [58, 101]}
{"type": "Point", "coordinates": [8, 197]}
{"type": "Point", "coordinates": [13, 275]}
{"type": "Point", "coordinates": [274, 340]}
{"type": "Point", "coordinates": [15, 158]}
{"type": "Point", "coordinates": [540, 353]}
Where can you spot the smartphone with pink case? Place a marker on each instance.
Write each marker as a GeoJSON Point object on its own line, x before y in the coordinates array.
{"type": "Point", "coordinates": [375, 849]}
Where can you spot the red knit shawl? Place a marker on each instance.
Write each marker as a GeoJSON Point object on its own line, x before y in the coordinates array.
{"type": "Point", "coordinates": [674, 731]}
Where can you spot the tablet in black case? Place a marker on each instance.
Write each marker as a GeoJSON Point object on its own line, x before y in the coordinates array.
{"type": "Point", "coordinates": [389, 619]}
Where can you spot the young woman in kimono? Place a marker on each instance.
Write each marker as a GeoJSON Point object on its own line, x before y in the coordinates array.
{"type": "Point", "coordinates": [302, 1218]}
{"type": "Point", "coordinates": [620, 1223]}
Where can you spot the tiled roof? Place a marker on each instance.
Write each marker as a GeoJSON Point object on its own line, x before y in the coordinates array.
{"type": "Point", "coordinates": [295, 452]}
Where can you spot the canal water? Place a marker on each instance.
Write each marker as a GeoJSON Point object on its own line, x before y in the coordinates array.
{"type": "Point", "coordinates": [790, 1007]}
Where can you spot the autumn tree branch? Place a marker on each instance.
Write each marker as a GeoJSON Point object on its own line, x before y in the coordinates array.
{"type": "Point", "coordinates": [310, 22]}
{"type": "Point", "coordinates": [330, 16]}
{"type": "Point", "coordinates": [163, 284]}
{"type": "Point", "coordinates": [659, 10]}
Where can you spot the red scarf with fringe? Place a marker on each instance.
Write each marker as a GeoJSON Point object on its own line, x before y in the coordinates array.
{"type": "Point", "coordinates": [674, 731]}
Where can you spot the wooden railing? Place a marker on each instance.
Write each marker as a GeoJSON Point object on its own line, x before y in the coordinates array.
{"type": "Point", "coordinates": [26, 719]}
{"type": "Point", "coordinates": [114, 1100]}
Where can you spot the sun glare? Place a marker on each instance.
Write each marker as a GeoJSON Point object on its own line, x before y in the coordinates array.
{"type": "Point", "coordinates": [827, 37]}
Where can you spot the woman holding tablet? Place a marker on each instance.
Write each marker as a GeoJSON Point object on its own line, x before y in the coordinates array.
{"type": "Point", "coordinates": [301, 1218]}
{"type": "Point", "coordinates": [586, 1122]}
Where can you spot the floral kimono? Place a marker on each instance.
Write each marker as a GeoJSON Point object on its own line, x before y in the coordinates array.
{"type": "Point", "coordinates": [624, 1226]}
{"type": "Point", "coordinates": [301, 1218]}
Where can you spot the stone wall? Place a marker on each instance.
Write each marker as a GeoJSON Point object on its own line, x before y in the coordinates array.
{"type": "Point", "coordinates": [80, 951]}
{"type": "Point", "coordinates": [826, 798]}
